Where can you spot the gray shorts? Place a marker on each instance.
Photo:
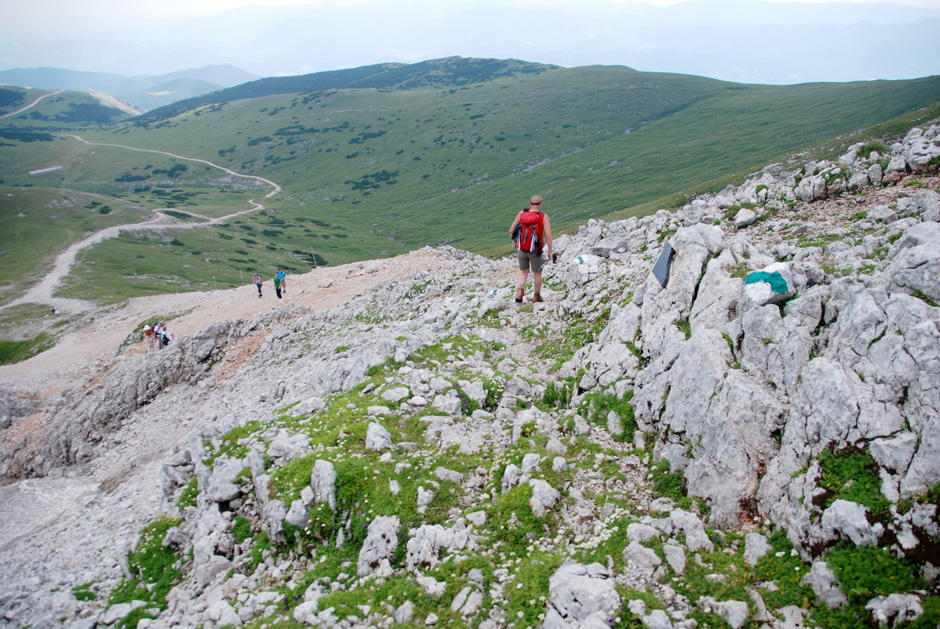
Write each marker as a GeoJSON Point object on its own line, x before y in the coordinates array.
{"type": "Point", "coordinates": [530, 258]}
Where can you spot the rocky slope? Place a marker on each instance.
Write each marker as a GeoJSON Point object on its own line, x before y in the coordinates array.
{"type": "Point", "coordinates": [752, 444]}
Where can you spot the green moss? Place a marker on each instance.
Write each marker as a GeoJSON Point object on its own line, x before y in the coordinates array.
{"type": "Point", "coordinates": [737, 577]}
{"type": "Point", "coordinates": [256, 555]}
{"type": "Point", "coordinates": [559, 392]}
{"type": "Point", "coordinates": [241, 529]}
{"type": "Point", "coordinates": [636, 352]}
{"type": "Point", "coordinates": [685, 327]}
{"type": "Point", "coordinates": [668, 483]}
{"type": "Point", "coordinates": [512, 518]}
{"type": "Point", "coordinates": [230, 446]}
{"type": "Point", "coordinates": [925, 298]}
{"type": "Point", "coordinates": [868, 148]}
{"type": "Point", "coordinates": [784, 567]}
{"type": "Point", "coordinates": [864, 573]}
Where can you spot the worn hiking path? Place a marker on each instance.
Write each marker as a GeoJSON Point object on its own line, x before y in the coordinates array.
{"type": "Point", "coordinates": [43, 292]}
{"type": "Point", "coordinates": [92, 345]}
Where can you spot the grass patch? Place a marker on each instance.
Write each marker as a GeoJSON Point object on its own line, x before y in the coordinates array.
{"type": "Point", "coordinates": [595, 407]}
{"type": "Point", "coordinates": [579, 331]}
{"type": "Point", "coordinates": [154, 570]}
{"type": "Point", "coordinates": [12, 352]}
{"type": "Point", "coordinates": [851, 475]}
{"type": "Point", "coordinates": [84, 591]}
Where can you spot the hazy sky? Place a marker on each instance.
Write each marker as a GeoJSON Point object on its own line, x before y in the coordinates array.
{"type": "Point", "coordinates": [796, 42]}
{"type": "Point", "coordinates": [116, 9]}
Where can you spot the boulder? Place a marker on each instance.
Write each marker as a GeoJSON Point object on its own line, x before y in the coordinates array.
{"type": "Point", "coordinates": [735, 613]}
{"type": "Point", "coordinates": [744, 217]}
{"type": "Point", "coordinates": [581, 596]}
{"type": "Point", "coordinates": [895, 610]}
{"type": "Point", "coordinates": [824, 584]}
{"type": "Point", "coordinates": [849, 521]}
{"type": "Point", "coordinates": [287, 447]}
{"type": "Point", "coordinates": [221, 486]}
{"type": "Point", "coordinates": [641, 559]}
{"type": "Point", "coordinates": [544, 497]}
{"type": "Point", "coordinates": [378, 438]}
{"type": "Point", "coordinates": [378, 550]}
{"type": "Point", "coordinates": [323, 483]}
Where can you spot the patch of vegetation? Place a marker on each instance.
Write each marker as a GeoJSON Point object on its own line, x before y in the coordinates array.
{"type": "Point", "coordinates": [685, 327]}
{"type": "Point", "coordinates": [579, 331]}
{"type": "Point", "coordinates": [154, 570]}
{"type": "Point", "coordinates": [559, 393]}
{"type": "Point", "coordinates": [512, 520]}
{"type": "Point", "coordinates": [230, 446]}
{"type": "Point", "coordinates": [924, 298]}
{"type": "Point", "coordinates": [12, 352]}
{"type": "Point", "coordinates": [871, 147]}
{"type": "Point", "coordinates": [595, 407]}
{"type": "Point", "coordinates": [528, 591]}
{"type": "Point", "coordinates": [852, 475]}
{"type": "Point", "coordinates": [189, 494]}
{"type": "Point", "coordinates": [863, 574]}
{"type": "Point", "coordinates": [84, 591]}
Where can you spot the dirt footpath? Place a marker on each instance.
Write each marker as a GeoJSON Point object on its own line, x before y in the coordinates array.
{"type": "Point", "coordinates": [84, 351]}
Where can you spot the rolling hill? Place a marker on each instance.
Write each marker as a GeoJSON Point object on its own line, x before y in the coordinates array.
{"type": "Point", "coordinates": [144, 91]}
{"type": "Point", "coordinates": [380, 160]}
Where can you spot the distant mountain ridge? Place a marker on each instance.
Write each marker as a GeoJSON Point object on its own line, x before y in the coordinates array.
{"type": "Point", "coordinates": [144, 91]}
{"type": "Point", "coordinates": [743, 41]}
{"type": "Point", "coordinates": [438, 72]}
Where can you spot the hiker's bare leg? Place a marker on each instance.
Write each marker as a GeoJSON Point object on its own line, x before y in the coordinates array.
{"type": "Point", "coordinates": [537, 280]}
{"type": "Point", "coordinates": [520, 287]}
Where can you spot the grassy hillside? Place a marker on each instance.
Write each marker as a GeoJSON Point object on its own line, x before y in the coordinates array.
{"type": "Point", "coordinates": [434, 153]}
{"type": "Point", "coordinates": [68, 110]}
{"type": "Point", "coordinates": [37, 223]}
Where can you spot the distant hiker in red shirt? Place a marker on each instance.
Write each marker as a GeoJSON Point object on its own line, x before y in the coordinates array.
{"type": "Point", "coordinates": [531, 231]}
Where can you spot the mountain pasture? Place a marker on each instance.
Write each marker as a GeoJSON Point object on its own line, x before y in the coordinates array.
{"type": "Point", "coordinates": [446, 152]}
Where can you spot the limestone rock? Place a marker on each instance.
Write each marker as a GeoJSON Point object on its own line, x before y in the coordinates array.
{"type": "Point", "coordinates": [378, 438]}
{"type": "Point", "coordinates": [378, 550]}
{"type": "Point", "coordinates": [581, 596]}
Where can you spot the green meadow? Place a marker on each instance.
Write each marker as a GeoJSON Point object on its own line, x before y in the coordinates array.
{"type": "Point", "coordinates": [444, 153]}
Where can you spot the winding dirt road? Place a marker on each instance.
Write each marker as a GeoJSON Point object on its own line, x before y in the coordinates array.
{"type": "Point", "coordinates": [43, 291]}
{"type": "Point", "coordinates": [32, 104]}
{"type": "Point", "coordinates": [84, 351]}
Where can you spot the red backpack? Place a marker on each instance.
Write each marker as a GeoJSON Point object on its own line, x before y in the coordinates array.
{"type": "Point", "coordinates": [529, 233]}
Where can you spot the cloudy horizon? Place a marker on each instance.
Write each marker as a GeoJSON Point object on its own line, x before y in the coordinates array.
{"type": "Point", "coordinates": [747, 41]}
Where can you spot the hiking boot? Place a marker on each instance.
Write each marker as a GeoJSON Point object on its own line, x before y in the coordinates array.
{"type": "Point", "coordinates": [537, 297]}
{"type": "Point", "coordinates": [519, 293]}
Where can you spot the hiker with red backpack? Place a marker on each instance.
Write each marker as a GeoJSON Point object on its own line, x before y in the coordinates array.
{"type": "Point", "coordinates": [530, 232]}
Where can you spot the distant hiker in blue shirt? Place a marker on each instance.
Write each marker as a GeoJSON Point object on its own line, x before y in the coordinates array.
{"type": "Point", "coordinates": [531, 231]}
{"type": "Point", "coordinates": [280, 283]}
